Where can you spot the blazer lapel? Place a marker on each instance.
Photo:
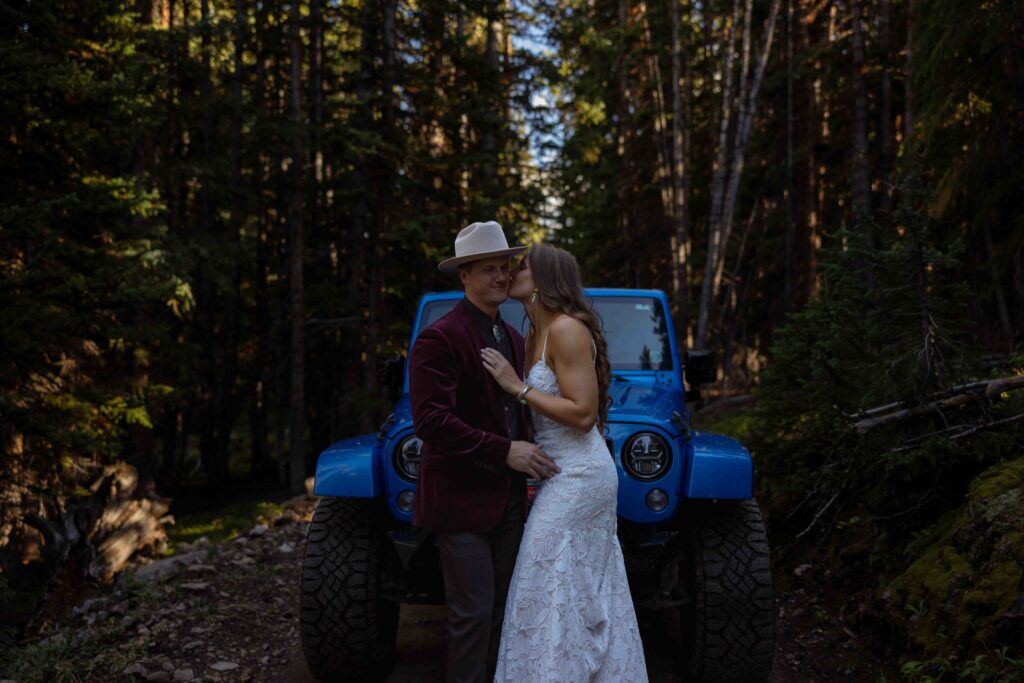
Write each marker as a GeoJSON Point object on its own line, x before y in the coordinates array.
{"type": "Point", "coordinates": [472, 333]}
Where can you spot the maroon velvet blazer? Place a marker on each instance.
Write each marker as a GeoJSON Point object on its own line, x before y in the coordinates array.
{"type": "Point", "coordinates": [458, 412]}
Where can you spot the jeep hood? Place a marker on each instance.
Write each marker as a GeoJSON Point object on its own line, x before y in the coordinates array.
{"type": "Point", "coordinates": [650, 401]}
{"type": "Point", "coordinates": [631, 401]}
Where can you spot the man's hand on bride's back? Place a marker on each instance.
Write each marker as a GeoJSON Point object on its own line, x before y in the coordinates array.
{"type": "Point", "coordinates": [528, 458]}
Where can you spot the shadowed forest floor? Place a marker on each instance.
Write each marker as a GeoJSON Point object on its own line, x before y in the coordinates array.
{"type": "Point", "coordinates": [229, 612]}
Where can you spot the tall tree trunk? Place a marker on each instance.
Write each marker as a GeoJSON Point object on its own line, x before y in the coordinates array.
{"type": "Point", "coordinates": [806, 128]}
{"type": "Point", "coordinates": [297, 448]}
{"type": "Point", "coordinates": [718, 180]}
{"type": "Point", "coordinates": [663, 171]}
{"type": "Point", "coordinates": [747, 108]}
{"type": "Point", "coordinates": [860, 173]}
{"type": "Point", "coordinates": [259, 422]}
{"type": "Point", "coordinates": [745, 123]}
{"type": "Point", "coordinates": [1001, 308]}
{"type": "Point", "coordinates": [386, 176]}
{"type": "Point", "coordinates": [362, 236]}
{"type": "Point", "coordinates": [886, 158]}
{"type": "Point", "coordinates": [687, 193]}
{"type": "Point", "coordinates": [316, 109]}
{"type": "Point", "coordinates": [908, 80]}
{"type": "Point", "coordinates": [680, 200]}
{"type": "Point", "coordinates": [227, 370]}
{"type": "Point", "coordinates": [261, 463]}
{"type": "Point", "coordinates": [490, 116]}
{"type": "Point", "coordinates": [463, 133]}
{"type": "Point", "coordinates": [211, 445]}
{"type": "Point", "coordinates": [624, 136]}
{"type": "Point", "coordinates": [790, 228]}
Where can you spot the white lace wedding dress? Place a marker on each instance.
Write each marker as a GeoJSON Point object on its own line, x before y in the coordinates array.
{"type": "Point", "coordinates": [569, 616]}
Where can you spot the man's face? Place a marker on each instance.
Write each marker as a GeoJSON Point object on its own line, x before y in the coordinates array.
{"type": "Point", "coordinates": [487, 280]}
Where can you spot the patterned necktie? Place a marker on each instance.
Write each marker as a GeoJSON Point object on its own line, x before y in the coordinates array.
{"type": "Point", "coordinates": [497, 332]}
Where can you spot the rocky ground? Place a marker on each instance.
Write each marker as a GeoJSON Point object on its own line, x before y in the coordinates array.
{"type": "Point", "coordinates": [229, 612]}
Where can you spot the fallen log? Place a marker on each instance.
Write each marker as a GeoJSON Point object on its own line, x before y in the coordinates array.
{"type": "Point", "coordinates": [956, 397]}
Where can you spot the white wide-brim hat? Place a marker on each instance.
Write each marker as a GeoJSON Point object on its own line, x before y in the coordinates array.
{"type": "Point", "coordinates": [478, 241]}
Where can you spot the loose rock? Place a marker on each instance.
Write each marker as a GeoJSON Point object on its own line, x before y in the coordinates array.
{"type": "Point", "coordinates": [162, 570]}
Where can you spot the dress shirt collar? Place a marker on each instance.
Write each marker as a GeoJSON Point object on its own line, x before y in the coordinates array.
{"type": "Point", "coordinates": [480, 315]}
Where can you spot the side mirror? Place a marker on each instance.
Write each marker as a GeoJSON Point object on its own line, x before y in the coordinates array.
{"type": "Point", "coordinates": [699, 367]}
{"type": "Point", "coordinates": [391, 373]}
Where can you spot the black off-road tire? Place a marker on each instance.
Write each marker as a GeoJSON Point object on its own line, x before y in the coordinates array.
{"type": "Point", "coordinates": [348, 630]}
{"type": "Point", "coordinates": [729, 627]}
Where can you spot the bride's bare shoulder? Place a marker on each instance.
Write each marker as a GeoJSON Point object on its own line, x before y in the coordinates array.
{"type": "Point", "coordinates": [569, 335]}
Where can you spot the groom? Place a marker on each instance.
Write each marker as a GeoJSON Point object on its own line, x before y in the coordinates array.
{"type": "Point", "coordinates": [472, 487]}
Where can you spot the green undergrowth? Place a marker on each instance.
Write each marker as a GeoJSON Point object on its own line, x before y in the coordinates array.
{"type": "Point", "coordinates": [78, 651]}
{"type": "Point", "coordinates": [738, 424]}
{"type": "Point", "coordinates": [912, 518]}
{"type": "Point", "coordinates": [994, 667]}
{"type": "Point", "coordinates": [223, 523]}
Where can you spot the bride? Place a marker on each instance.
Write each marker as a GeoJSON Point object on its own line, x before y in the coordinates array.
{"type": "Point", "coordinates": [569, 615]}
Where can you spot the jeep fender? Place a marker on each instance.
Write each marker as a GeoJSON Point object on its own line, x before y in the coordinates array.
{"type": "Point", "coordinates": [349, 469]}
{"type": "Point", "coordinates": [717, 467]}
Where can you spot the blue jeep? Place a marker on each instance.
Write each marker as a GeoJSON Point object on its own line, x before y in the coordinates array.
{"type": "Point", "coordinates": [693, 538]}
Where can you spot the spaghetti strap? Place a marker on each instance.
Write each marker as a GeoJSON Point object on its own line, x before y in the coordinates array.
{"type": "Point", "coordinates": [544, 349]}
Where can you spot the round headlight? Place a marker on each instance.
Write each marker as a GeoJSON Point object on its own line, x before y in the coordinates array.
{"type": "Point", "coordinates": [646, 456]}
{"type": "Point", "coordinates": [407, 458]}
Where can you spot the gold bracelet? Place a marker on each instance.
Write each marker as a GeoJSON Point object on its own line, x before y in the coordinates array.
{"type": "Point", "coordinates": [522, 393]}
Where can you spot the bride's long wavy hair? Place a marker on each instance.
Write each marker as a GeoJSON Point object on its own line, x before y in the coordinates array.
{"type": "Point", "coordinates": [556, 275]}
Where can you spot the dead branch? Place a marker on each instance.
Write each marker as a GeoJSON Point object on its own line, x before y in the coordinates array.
{"type": "Point", "coordinates": [961, 432]}
{"type": "Point", "coordinates": [953, 398]}
{"type": "Point", "coordinates": [820, 512]}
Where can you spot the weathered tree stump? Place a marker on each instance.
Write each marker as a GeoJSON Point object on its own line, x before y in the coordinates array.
{"type": "Point", "coordinates": [127, 524]}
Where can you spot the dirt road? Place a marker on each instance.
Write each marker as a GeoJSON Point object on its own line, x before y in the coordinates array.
{"type": "Point", "coordinates": [229, 612]}
{"type": "Point", "coordinates": [811, 646]}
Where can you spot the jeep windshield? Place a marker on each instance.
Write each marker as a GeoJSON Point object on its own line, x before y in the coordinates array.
{"type": "Point", "coordinates": [635, 328]}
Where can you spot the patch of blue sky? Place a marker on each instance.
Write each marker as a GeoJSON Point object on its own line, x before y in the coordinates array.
{"type": "Point", "coordinates": [541, 119]}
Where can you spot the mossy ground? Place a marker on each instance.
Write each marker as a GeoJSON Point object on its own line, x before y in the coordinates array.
{"type": "Point", "coordinates": [967, 573]}
{"type": "Point", "coordinates": [948, 597]}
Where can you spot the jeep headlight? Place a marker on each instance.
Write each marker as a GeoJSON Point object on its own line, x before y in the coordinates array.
{"type": "Point", "coordinates": [646, 456]}
{"type": "Point", "coordinates": [407, 458]}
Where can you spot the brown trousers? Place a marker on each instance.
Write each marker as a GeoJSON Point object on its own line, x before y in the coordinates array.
{"type": "Point", "coordinates": [477, 571]}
